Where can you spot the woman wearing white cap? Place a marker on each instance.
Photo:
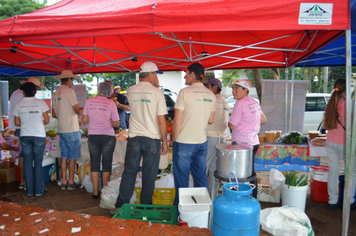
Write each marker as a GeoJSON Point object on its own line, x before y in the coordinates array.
{"type": "Point", "coordinates": [246, 120]}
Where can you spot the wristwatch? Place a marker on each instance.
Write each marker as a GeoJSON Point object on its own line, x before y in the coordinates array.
{"type": "Point", "coordinates": [119, 105]}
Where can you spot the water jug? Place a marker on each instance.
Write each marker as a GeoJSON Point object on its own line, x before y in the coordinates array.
{"type": "Point", "coordinates": [236, 212]}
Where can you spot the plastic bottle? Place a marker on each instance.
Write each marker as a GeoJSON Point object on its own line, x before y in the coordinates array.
{"type": "Point", "coordinates": [169, 128]}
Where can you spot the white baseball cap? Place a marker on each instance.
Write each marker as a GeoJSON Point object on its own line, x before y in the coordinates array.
{"type": "Point", "coordinates": [242, 82]}
{"type": "Point", "coordinates": [149, 67]}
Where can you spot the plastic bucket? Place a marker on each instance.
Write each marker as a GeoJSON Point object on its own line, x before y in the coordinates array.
{"type": "Point", "coordinates": [294, 196]}
{"type": "Point", "coordinates": [193, 218]}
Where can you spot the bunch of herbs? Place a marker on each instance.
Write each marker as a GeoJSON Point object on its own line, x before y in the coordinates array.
{"type": "Point", "coordinates": [292, 179]}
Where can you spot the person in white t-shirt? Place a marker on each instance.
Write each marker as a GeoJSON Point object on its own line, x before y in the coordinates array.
{"type": "Point", "coordinates": [65, 107]}
{"type": "Point", "coordinates": [216, 132]}
{"type": "Point", "coordinates": [16, 96]}
{"type": "Point", "coordinates": [194, 110]}
{"type": "Point", "coordinates": [245, 121]}
{"type": "Point", "coordinates": [31, 115]}
{"type": "Point", "coordinates": [147, 127]}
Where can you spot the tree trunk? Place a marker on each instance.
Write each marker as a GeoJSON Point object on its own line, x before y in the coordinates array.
{"type": "Point", "coordinates": [257, 77]}
{"type": "Point", "coordinates": [274, 73]}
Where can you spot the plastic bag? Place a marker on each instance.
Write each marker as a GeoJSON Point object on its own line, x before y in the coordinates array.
{"type": "Point", "coordinates": [286, 221]}
{"type": "Point", "coordinates": [276, 179]}
{"type": "Point", "coordinates": [110, 193]}
{"type": "Point", "coordinates": [166, 181]}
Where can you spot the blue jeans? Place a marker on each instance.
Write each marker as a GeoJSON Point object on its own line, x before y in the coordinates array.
{"type": "Point", "coordinates": [101, 147]}
{"type": "Point", "coordinates": [33, 150]}
{"type": "Point", "coordinates": [150, 151]}
{"type": "Point", "coordinates": [189, 158]}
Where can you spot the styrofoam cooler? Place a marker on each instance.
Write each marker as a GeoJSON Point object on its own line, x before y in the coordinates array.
{"type": "Point", "coordinates": [47, 164]}
{"type": "Point", "coordinates": [319, 184]}
{"type": "Point", "coordinates": [195, 214]}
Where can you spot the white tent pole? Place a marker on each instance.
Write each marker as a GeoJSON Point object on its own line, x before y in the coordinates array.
{"type": "Point", "coordinates": [286, 99]}
{"type": "Point", "coordinates": [350, 148]}
{"type": "Point", "coordinates": [291, 101]}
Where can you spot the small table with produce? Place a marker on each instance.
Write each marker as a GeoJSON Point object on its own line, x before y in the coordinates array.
{"type": "Point", "coordinates": [288, 152]}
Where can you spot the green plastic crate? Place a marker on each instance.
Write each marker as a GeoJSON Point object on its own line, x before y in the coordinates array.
{"type": "Point", "coordinates": [153, 213]}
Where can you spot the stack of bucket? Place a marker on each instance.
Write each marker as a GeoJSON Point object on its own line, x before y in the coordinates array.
{"type": "Point", "coordinates": [194, 207]}
{"type": "Point", "coordinates": [319, 184]}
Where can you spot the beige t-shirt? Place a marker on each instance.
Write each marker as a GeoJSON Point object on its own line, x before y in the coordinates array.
{"type": "Point", "coordinates": [218, 128]}
{"type": "Point", "coordinates": [63, 100]}
{"type": "Point", "coordinates": [197, 104]}
{"type": "Point", "coordinates": [146, 103]}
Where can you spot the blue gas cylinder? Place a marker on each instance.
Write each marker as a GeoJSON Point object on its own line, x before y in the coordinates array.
{"type": "Point", "coordinates": [236, 212]}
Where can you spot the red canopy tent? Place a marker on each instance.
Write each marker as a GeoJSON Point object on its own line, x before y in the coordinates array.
{"type": "Point", "coordinates": [90, 36]}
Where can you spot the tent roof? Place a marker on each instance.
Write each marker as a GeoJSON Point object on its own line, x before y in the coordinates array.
{"type": "Point", "coordinates": [89, 36]}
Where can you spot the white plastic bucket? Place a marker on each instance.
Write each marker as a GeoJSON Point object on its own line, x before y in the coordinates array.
{"type": "Point", "coordinates": [294, 196]}
{"type": "Point", "coordinates": [194, 218]}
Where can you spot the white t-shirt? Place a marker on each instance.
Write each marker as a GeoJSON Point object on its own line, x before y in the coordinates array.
{"type": "Point", "coordinates": [63, 100]}
{"type": "Point", "coordinates": [146, 103]}
{"type": "Point", "coordinates": [30, 110]}
{"type": "Point", "coordinates": [197, 104]}
{"type": "Point", "coordinates": [16, 96]}
{"type": "Point", "coordinates": [219, 127]}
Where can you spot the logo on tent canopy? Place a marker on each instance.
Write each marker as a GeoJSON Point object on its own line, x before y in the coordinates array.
{"type": "Point", "coordinates": [316, 11]}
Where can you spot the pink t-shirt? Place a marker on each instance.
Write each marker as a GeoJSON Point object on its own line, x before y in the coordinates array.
{"type": "Point", "coordinates": [338, 135]}
{"type": "Point", "coordinates": [100, 111]}
{"type": "Point", "coordinates": [247, 117]}
{"type": "Point", "coordinates": [2, 140]}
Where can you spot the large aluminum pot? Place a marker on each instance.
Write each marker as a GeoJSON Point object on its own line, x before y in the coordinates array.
{"type": "Point", "coordinates": [235, 158]}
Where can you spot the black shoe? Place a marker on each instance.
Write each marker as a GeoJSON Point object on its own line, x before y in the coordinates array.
{"type": "Point", "coordinates": [95, 196]}
{"type": "Point", "coordinates": [332, 207]}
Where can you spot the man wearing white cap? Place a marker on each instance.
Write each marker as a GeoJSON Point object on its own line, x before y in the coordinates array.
{"type": "Point", "coordinates": [147, 127]}
{"type": "Point", "coordinates": [216, 132]}
{"type": "Point", "coordinates": [245, 121]}
{"type": "Point", "coordinates": [16, 96]}
{"type": "Point", "coordinates": [65, 108]}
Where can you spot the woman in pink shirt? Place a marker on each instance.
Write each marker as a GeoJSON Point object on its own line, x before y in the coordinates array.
{"type": "Point", "coordinates": [101, 115]}
{"type": "Point", "coordinates": [335, 123]}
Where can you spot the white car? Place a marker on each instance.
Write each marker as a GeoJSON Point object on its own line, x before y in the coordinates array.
{"type": "Point", "coordinates": [314, 110]}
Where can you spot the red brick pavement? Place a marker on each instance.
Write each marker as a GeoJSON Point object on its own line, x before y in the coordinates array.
{"type": "Point", "coordinates": [17, 219]}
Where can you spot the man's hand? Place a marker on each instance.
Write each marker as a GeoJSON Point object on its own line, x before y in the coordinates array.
{"type": "Point", "coordinates": [164, 148]}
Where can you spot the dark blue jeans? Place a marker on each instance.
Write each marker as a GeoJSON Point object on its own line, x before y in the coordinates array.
{"type": "Point", "coordinates": [101, 147]}
{"type": "Point", "coordinates": [189, 158]}
{"type": "Point", "coordinates": [33, 149]}
{"type": "Point", "coordinates": [149, 149]}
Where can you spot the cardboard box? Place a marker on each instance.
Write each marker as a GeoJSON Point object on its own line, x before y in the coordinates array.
{"type": "Point", "coordinates": [7, 165]}
{"type": "Point", "coordinates": [7, 175]}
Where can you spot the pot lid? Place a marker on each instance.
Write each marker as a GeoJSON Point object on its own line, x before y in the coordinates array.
{"type": "Point", "coordinates": [233, 147]}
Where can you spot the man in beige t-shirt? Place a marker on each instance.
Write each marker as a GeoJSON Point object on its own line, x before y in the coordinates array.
{"type": "Point", "coordinates": [147, 128]}
{"type": "Point", "coordinates": [194, 110]}
{"type": "Point", "coordinates": [65, 108]}
{"type": "Point", "coordinates": [216, 132]}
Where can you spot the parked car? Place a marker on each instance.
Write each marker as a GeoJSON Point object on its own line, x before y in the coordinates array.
{"type": "Point", "coordinates": [315, 104]}
{"type": "Point", "coordinates": [171, 98]}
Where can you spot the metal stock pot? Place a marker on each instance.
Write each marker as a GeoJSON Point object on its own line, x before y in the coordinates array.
{"type": "Point", "coordinates": [235, 158]}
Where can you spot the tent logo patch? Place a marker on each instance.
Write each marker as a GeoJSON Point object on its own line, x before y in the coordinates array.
{"type": "Point", "coordinates": [315, 14]}
{"type": "Point", "coordinates": [315, 11]}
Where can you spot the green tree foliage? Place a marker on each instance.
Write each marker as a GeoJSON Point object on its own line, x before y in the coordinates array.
{"type": "Point", "coordinates": [9, 8]}
{"type": "Point", "coordinates": [230, 76]}
{"type": "Point", "coordinates": [125, 80]}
